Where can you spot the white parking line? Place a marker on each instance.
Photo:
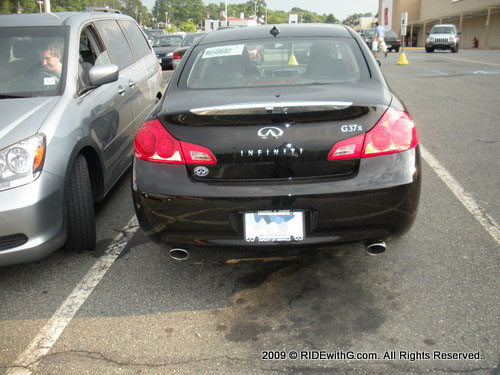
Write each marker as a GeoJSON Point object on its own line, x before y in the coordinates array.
{"type": "Point", "coordinates": [484, 219]}
{"type": "Point", "coordinates": [27, 362]}
{"type": "Point", "coordinates": [473, 61]}
{"type": "Point", "coordinates": [432, 70]}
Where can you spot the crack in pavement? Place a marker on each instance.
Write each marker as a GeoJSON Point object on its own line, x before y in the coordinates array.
{"type": "Point", "coordinates": [102, 357]}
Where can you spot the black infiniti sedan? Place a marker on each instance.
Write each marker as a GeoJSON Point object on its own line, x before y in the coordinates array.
{"type": "Point", "coordinates": [285, 152]}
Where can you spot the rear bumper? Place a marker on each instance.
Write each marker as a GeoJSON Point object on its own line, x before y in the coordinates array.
{"type": "Point", "coordinates": [393, 45]}
{"type": "Point", "coordinates": [31, 220]}
{"type": "Point", "coordinates": [379, 202]}
{"type": "Point", "coordinates": [166, 62]}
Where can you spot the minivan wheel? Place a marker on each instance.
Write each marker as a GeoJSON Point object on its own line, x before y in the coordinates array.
{"type": "Point", "coordinates": [454, 49]}
{"type": "Point", "coordinates": [81, 233]}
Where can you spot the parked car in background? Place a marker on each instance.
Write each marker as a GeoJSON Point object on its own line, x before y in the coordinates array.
{"type": "Point", "coordinates": [74, 89]}
{"type": "Point", "coordinates": [367, 36]}
{"type": "Point", "coordinates": [255, 53]}
{"type": "Point", "coordinates": [164, 47]}
{"type": "Point", "coordinates": [179, 52]}
{"type": "Point", "coordinates": [392, 41]}
{"type": "Point", "coordinates": [154, 33]}
{"type": "Point", "coordinates": [443, 37]}
{"type": "Point", "coordinates": [285, 154]}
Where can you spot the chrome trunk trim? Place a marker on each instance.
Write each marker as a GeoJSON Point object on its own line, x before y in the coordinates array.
{"type": "Point", "coordinates": [270, 108]}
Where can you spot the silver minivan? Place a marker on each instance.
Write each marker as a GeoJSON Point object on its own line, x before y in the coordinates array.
{"type": "Point", "coordinates": [74, 88]}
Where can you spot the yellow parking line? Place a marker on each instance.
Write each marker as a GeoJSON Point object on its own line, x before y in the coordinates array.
{"type": "Point", "coordinates": [271, 259]}
{"type": "Point", "coordinates": [473, 61]}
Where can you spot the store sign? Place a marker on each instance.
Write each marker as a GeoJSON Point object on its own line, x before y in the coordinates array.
{"type": "Point", "coordinates": [386, 20]}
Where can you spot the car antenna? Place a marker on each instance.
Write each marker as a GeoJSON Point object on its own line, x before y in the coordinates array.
{"type": "Point", "coordinates": [275, 31]}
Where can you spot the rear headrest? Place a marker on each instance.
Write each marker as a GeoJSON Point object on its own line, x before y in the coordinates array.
{"type": "Point", "coordinates": [22, 49]}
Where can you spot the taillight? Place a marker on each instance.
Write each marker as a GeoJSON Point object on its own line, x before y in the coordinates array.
{"type": "Point", "coordinates": [394, 132]}
{"type": "Point", "coordinates": [176, 56]}
{"type": "Point", "coordinates": [398, 41]}
{"type": "Point", "coordinates": [154, 143]}
{"type": "Point", "coordinates": [347, 149]}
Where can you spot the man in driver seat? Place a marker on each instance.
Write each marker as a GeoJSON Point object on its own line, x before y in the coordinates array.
{"type": "Point", "coordinates": [51, 60]}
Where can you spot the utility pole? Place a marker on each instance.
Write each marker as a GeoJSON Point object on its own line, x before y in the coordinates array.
{"type": "Point", "coordinates": [225, 13]}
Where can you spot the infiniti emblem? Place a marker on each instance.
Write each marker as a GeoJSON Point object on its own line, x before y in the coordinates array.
{"type": "Point", "coordinates": [201, 171]}
{"type": "Point", "coordinates": [270, 131]}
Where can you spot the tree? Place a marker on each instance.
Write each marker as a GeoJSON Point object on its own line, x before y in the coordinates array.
{"type": "Point", "coordinates": [180, 11]}
{"type": "Point", "coordinates": [5, 6]}
{"type": "Point", "coordinates": [353, 17]}
{"type": "Point", "coordinates": [331, 19]}
{"type": "Point", "coordinates": [188, 26]}
{"type": "Point", "coordinates": [277, 16]}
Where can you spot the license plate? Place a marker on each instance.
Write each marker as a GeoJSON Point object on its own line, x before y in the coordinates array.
{"type": "Point", "coordinates": [274, 226]}
{"type": "Point", "coordinates": [389, 45]}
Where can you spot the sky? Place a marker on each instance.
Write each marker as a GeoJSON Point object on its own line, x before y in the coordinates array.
{"type": "Point", "coordinates": [341, 9]}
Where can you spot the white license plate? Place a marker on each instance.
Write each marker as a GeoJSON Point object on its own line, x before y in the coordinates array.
{"type": "Point", "coordinates": [389, 45]}
{"type": "Point", "coordinates": [274, 226]}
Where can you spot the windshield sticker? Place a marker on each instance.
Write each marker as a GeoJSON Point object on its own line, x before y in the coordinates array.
{"type": "Point", "coordinates": [49, 81]}
{"type": "Point", "coordinates": [223, 51]}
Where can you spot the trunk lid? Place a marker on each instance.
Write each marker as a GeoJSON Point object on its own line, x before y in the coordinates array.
{"type": "Point", "coordinates": [274, 133]}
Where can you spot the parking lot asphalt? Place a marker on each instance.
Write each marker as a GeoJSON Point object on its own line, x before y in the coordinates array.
{"type": "Point", "coordinates": [435, 290]}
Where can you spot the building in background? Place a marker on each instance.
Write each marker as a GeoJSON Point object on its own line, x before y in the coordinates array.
{"type": "Point", "coordinates": [212, 25]}
{"type": "Point", "coordinates": [478, 19]}
{"type": "Point", "coordinates": [363, 23]}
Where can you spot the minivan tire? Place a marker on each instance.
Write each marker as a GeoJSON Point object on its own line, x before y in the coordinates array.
{"type": "Point", "coordinates": [81, 233]}
{"type": "Point", "coordinates": [454, 49]}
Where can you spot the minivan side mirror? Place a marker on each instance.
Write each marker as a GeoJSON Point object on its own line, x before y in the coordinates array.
{"type": "Point", "coordinates": [459, 33]}
{"type": "Point", "coordinates": [102, 74]}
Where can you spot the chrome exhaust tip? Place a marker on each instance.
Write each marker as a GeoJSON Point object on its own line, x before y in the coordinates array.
{"type": "Point", "coordinates": [178, 254]}
{"type": "Point", "coordinates": [376, 248]}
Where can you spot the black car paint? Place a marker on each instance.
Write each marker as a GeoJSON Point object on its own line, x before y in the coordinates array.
{"type": "Point", "coordinates": [162, 52]}
{"type": "Point", "coordinates": [195, 214]}
{"type": "Point", "coordinates": [371, 199]}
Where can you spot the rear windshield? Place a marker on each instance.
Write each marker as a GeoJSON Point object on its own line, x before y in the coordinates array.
{"type": "Point", "coordinates": [390, 34]}
{"type": "Point", "coordinates": [273, 63]}
{"type": "Point", "coordinates": [442, 30]}
{"type": "Point", "coordinates": [190, 38]}
{"type": "Point", "coordinates": [165, 41]}
{"type": "Point", "coordinates": [155, 33]}
{"type": "Point", "coordinates": [32, 60]}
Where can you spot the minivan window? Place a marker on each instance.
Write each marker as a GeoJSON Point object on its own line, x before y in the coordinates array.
{"type": "Point", "coordinates": [277, 63]}
{"type": "Point", "coordinates": [137, 39]}
{"type": "Point", "coordinates": [116, 44]}
{"type": "Point", "coordinates": [32, 60]}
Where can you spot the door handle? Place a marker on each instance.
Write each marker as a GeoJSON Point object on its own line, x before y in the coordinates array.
{"type": "Point", "coordinates": [121, 90]}
{"type": "Point", "coordinates": [131, 83]}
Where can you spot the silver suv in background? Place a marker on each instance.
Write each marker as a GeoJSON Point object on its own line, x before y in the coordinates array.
{"type": "Point", "coordinates": [74, 88]}
{"type": "Point", "coordinates": [443, 37]}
